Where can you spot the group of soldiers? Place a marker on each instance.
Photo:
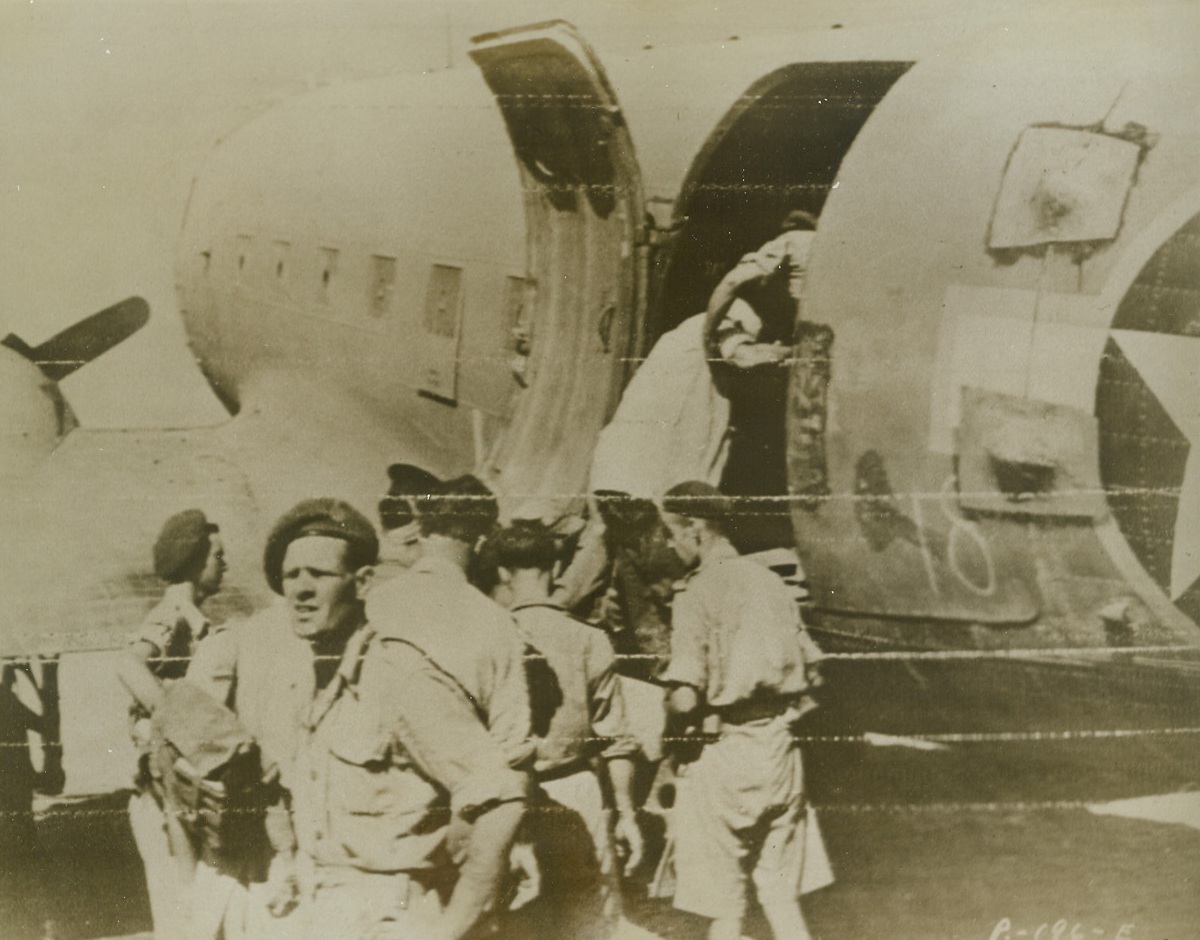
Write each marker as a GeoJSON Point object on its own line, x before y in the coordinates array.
{"type": "Point", "coordinates": [419, 741]}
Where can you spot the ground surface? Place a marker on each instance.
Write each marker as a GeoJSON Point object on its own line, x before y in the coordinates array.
{"type": "Point", "coordinates": [944, 845]}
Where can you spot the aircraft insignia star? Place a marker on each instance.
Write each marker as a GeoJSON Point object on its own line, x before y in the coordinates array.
{"type": "Point", "coordinates": [1170, 367]}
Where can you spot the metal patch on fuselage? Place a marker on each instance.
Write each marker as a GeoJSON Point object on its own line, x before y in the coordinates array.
{"type": "Point", "coordinates": [1062, 186]}
{"type": "Point", "coordinates": [1042, 346]}
{"type": "Point", "coordinates": [1019, 456]}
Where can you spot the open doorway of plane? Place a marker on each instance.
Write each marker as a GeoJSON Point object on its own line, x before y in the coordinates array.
{"type": "Point", "coordinates": [779, 148]}
{"type": "Point", "coordinates": [583, 209]}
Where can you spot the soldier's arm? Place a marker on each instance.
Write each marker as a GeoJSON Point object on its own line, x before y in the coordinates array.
{"type": "Point", "coordinates": [755, 268]}
{"type": "Point", "coordinates": [741, 276]}
{"type": "Point", "coordinates": [437, 727]}
{"type": "Point", "coordinates": [486, 862]}
{"type": "Point", "coordinates": [509, 716]}
{"type": "Point", "coordinates": [686, 676]}
{"type": "Point", "coordinates": [133, 669]}
{"type": "Point", "coordinates": [606, 703]}
{"type": "Point", "coordinates": [283, 890]}
{"type": "Point", "coordinates": [628, 835]}
{"type": "Point", "coordinates": [137, 663]}
{"type": "Point", "coordinates": [214, 666]}
{"type": "Point", "coordinates": [687, 670]}
{"type": "Point", "coordinates": [584, 576]}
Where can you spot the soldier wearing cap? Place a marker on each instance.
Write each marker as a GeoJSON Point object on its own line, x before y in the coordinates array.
{"type": "Point", "coordinates": [378, 751]}
{"type": "Point", "coordinates": [189, 556]}
{"type": "Point", "coordinates": [741, 659]}
{"type": "Point", "coordinates": [434, 607]}
{"type": "Point", "coordinates": [400, 545]}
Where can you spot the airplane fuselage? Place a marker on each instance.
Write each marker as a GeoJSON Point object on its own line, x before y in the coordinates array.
{"type": "Point", "coordinates": [967, 473]}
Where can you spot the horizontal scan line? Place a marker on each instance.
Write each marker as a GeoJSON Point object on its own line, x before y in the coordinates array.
{"type": "Point", "coordinates": [828, 808]}
{"type": "Point", "coordinates": [947, 737]}
{"type": "Point", "coordinates": [876, 656]}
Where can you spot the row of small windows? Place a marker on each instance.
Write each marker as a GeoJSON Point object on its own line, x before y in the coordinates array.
{"type": "Point", "coordinates": [443, 296]}
{"type": "Point", "coordinates": [280, 274]}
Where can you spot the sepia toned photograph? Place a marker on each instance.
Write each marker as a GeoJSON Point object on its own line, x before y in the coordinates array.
{"type": "Point", "coordinates": [600, 470]}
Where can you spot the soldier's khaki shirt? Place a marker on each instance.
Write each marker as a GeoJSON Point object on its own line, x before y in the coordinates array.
{"type": "Point", "coordinates": [588, 718]}
{"type": "Point", "coordinates": [787, 254]}
{"type": "Point", "coordinates": [392, 750]}
{"type": "Point", "coordinates": [736, 634]}
{"type": "Point", "coordinates": [260, 669]}
{"type": "Point", "coordinates": [470, 636]}
{"type": "Point", "coordinates": [377, 761]}
{"type": "Point", "coordinates": [173, 628]}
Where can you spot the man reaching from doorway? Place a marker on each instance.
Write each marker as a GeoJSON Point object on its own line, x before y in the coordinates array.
{"type": "Point", "coordinates": [708, 401]}
{"type": "Point", "coordinates": [750, 332]}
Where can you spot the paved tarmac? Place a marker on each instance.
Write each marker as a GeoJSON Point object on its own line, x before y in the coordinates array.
{"type": "Point", "coordinates": [955, 844]}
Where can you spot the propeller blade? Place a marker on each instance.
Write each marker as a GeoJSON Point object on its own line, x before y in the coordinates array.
{"type": "Point", "coordinates": [79, 344]}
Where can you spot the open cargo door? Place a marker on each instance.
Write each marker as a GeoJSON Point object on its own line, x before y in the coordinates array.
{"type": "Point", "coordinates": [584, 211]}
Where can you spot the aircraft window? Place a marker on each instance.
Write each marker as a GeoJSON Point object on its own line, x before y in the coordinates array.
{"type": "Point", "coordinates": [437, 344]}
{"type": "Point", "coordinates": [515, 318]}
{"type": "Point", "coordinates": [329, 267]}
{"type": "Point", "coordinates": [282, 250]}
{"type": "Point", "coordinates": [207, 262]}
{"type": "Point", "coordinates": [243, 253]}
{"type": "Point", "coordinates": [383, 279]}
{"type": "Point", "coordinates": [443, 301]}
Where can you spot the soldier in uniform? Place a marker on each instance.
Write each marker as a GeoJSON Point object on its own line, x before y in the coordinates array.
{"type": "Point", "coordinates": [189, 556]}
{"type": "Point", "coordinates": [433, 607]}
{"type": "Point", "coordinates": [582, 735]}
{"type": "Point", "coordinates": [381, 755]}
{"type": "Point", "coordinates": [740, 663]}
{"type": "Point", "coordinates": [750, 335]}
{"type": "Point", "coordinates": [769, 282]}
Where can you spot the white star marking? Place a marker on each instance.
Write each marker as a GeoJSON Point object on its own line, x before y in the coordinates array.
{"type": "Point", "coordinates": [1170, 367]}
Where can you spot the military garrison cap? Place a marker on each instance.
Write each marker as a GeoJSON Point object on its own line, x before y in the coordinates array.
{"type": "Point", "coordinates": [331, 518]}
{"type": "Point", "coordinates": [463, 508]}
{"type": "Point", "coordinates": [183, 541]}
{"type": "Point", "coordinates": [408, 482]}
{"type": "Point", "coordinates": [697, 500]}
